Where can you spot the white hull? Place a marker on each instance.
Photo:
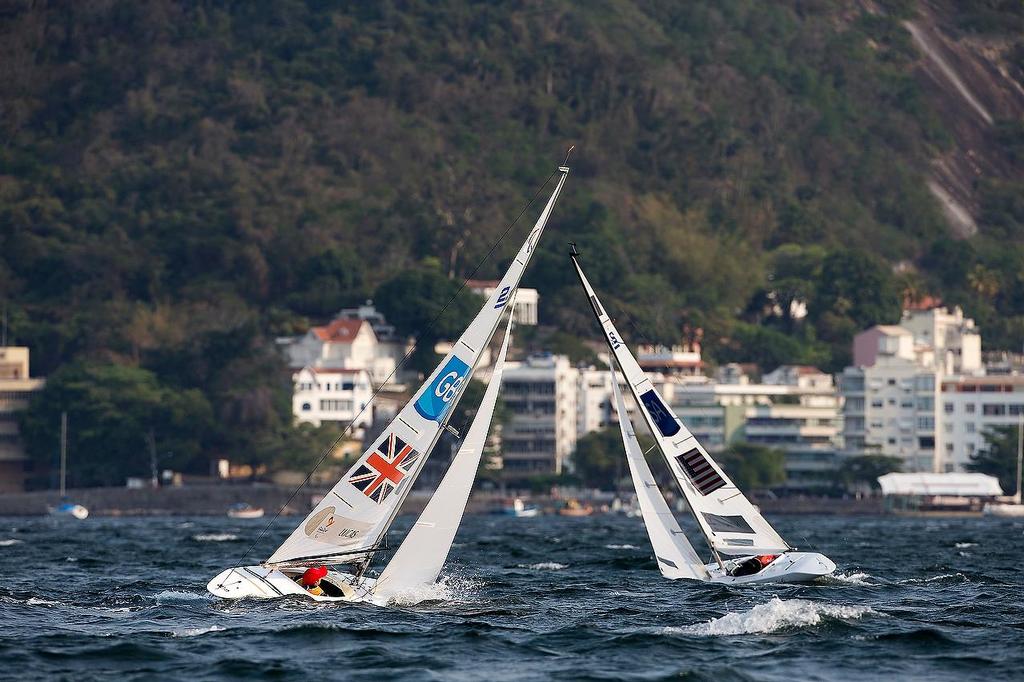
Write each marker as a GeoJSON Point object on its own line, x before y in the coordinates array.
{"type": "Point", "coordinates": [245, 513]}
{"type": "Point", "coordinates": [75, 511]}
{"type": "Point", "coordinates": [1004, 510]}
{"type": "Point", "coordinates": [791, 567]}
{"type": "Point", "coordinates": [260, 582]}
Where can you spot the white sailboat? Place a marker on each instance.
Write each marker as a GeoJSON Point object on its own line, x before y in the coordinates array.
{"type": "Point", "coordinates": [348, 526]}
{"type": "Point", "coordinates": [66, 509]}
{"type": "Point", "coordinates": [744, 546]}
{"type": "Point", "coordinates": [1014, 508]}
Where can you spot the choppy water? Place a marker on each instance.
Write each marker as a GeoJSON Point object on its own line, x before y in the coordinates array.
{"type": "Point", "coordinates": [556, 598]}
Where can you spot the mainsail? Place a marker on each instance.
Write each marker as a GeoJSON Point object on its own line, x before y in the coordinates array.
{"type": "Point", "coordinates": [728, 520]}
{"type": "Point", "coordinates": [350, 521]}
{"type": "Point", "coordinates": [675, 555]}
{"type": "Point", "coordinates": [422, 554]}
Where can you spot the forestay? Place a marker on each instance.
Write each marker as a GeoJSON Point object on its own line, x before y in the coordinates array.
{"type": "Point", "coordinates": [726, 517]}
{"type": "Point", "coordinates": [675, 555]}
{"type": "Point", "coordinates": [353, 517]}
{"type": "Point", "coordinates": [422, 554]}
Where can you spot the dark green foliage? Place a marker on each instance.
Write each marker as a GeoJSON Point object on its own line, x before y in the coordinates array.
{"type": "Point", "coordinates": [998, 457]}
{"type": "Point", "coordinates": [753, 466]}
{"type": "Point", "coordinates": [865, 470]}
{"type": "Point", "coordinates": [599, 460]}
{"type": "Point", "coordinates": [181, 182]}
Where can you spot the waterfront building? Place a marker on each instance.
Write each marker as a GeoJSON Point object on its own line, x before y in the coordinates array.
{"type": "Point", "coordinates": [16, 389]}
{"type": "Point", "coordinates": [973, 405]}
{"type": "Point", "coordinates": [527, 300]}
{"type": "Point", "coordinates": [892, 393]}
{"type": "Point", "coordinates": [540, 394]}
{"type": "Point", "coordinates": [333, 395]}
{"type": "Point", "coordinates": [795, 409]}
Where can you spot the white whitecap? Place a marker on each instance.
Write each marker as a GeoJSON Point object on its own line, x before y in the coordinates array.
{"type": "Point", "coordinates": [849, 579]}
{"type": "Point", "coordinates": [778, 614]}
{"type": "Point", "coordinates": [965, 545]}
{"type": "Point", "coordinates": [447, 589]}
{"type": "Point", "coordinates": [180, 595]}
{"type": "Point", "coordinates": [195, 632]}
{"type": "Point", "coordinates": [9, 542]}
{"type": "Point", "coordinates": [544, 566]}
{"type": "Point", "coordinates": [39, 601]}
{"type": "Point", "coordinates": [214, 537]}
{"type": "Point", "coordinates": [944, 576]}
{"type": "Point", "coordinates": [621, 547]}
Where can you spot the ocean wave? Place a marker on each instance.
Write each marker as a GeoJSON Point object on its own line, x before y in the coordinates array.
{"type": "Point", "coordinates": [446, 589]}
{"type": "Point", "coordinates": [195, 632]}
{"type": "Point", "coordinates": [39, 601]}
{"type": "Point", "coordinates": [778, 614]}
{"type": "Point", "coordinates": [9, 542]}
{"type": "Point", "coordinates": [934, 578]}
{"type": "Point", "coordinates": [621, 547]}
{"type": "Point", "coordinates": [849, 579]}
{"type": "Point", "coordinates": [965, 545]}
{"type": "Point", "coordinates": [543, 566]}
{"type": "Point", "coordinates": [181, 595]}
{"type": "Point", "coordinates": [214, 537]}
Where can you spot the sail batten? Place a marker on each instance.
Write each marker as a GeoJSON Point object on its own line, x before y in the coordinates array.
{"type": "Point", "coordinates": [374, 488]}
{"type": "Point", "coordinates": [704, 484]}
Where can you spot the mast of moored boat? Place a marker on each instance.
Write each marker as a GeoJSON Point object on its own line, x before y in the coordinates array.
{"type": "Point", "coordinates": [1020, 456]}
{"type": "Point", "coordinates": [63, 453]}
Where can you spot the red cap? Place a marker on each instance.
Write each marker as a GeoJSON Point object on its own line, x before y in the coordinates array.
{"type": "Point", "coordinates": [313, 575]}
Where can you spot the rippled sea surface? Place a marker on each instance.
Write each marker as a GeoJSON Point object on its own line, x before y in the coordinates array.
{"type": "Point", "coordinates": [543, 598]}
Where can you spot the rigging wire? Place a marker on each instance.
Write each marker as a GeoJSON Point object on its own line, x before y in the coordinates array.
{"type": "Point", "coordinates": [329, 449]}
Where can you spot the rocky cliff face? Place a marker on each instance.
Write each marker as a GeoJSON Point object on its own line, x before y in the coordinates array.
{"type": "Point", "coordinates": [974, 80]}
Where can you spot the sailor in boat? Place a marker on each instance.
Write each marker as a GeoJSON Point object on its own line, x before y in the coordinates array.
{"type": "Point", "coordinates": [311, 580]}
{"type": "Point", "coordinates": [754, 564]}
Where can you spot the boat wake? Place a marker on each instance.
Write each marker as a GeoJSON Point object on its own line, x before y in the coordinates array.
{"type": "Point", "coordinates": [447, 589]}
{"type": "Point", "coordinates": [776, 615]}
{"type": "Point", "coordinates": [847, 579]}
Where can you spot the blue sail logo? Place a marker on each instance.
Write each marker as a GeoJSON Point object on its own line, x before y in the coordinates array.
{"type": "Point", "coordinates": [434, 402]}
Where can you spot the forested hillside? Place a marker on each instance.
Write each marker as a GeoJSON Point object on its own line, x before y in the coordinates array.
{"type": "Point", "coordinates": [181, 182]}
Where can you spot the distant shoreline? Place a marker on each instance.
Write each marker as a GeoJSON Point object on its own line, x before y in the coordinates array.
{"type": "Point", "coordinates": [214, 500]}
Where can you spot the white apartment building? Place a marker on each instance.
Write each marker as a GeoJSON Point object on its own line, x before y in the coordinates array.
{"type": "Point", "coordinates": [16, 389]}
{"type": "Point", "coordinates": [594, 409]}
{"type": "Point", "coordinates": [892, 394]}
{"type": "Point", "coordinates": [527, 300]}
{"type": "Point", "coordinates": [794, 409]}
{"type": "Point", "coordinates": [540, 395]}
{"type": "Point", "coordinates": [970, 406]}
{"type": "Point", "coordinates": [333, 395]}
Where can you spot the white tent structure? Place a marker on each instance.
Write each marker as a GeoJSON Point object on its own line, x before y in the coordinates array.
{"type": "Point", "coordinates": [952, 485]}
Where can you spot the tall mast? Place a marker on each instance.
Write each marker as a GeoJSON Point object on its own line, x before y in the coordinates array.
{"type": "Point", "coordinates": [1020, 455]}
{"type": "Point", "coordinates": [63, 453]}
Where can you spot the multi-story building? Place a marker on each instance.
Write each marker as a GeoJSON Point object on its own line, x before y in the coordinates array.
{"type": "Point", "coordinates": [16, 389]}
{"type": "Point", "coordinates": [527, 300]}
{"type": "Point", "coordinates": [893, 391]}
{"type": "Point", "coordinates": [540, 396]}
{"type": "Point", "coordinates": [970, 406]}
{"type": "Point", "coordinates": [333, 395]}
{"type": "Point", "coordinates": [795, 409]}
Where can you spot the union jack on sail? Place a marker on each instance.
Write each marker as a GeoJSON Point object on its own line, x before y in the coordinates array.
{"type": "Point", "coordinates": [385, 468]}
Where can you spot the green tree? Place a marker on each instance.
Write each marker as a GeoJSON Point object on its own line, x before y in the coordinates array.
{"type": "Point", "coordinates": [753, 466]}
{"type": "Point", "coordinates": [599, 460]}
{"type": "Point", "coordinates": [424, 303]}
{"type": "Point", "coordinates": [865, 470]}
{"type": "Point", "coordinates": [111, 410]}
{"type": "Point", "coordinates": [998, 457]}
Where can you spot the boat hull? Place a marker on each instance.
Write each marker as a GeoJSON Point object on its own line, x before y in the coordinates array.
{"type": "Point", "coordinates": [1004, 510]}
{"type": "Point", "coordinates": [245, 513]}
{"type": "Point", "coordinates": [791, 567]}
{"type": "Point", "coordinates": [261, 582]}
{"type": "Point", "coordinates": [75, 511]}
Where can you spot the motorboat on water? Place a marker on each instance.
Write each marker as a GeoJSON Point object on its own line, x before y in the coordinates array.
{"type": "Point", "coordinates": [347, 528]}
{"type": "Point", "coordinates": [744, 546]}
{"type": "Point", "coordinates": [519, 509]}
{"type": "Point", "coordinates": [70, 510]}
{"type": "Point", "coordinates": [244, 510]}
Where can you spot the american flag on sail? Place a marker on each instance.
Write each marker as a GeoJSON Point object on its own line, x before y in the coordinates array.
{"type": "Point", "coordinates": [384, 469]}
{"type": "Point", "coordinates": [703, 476]}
